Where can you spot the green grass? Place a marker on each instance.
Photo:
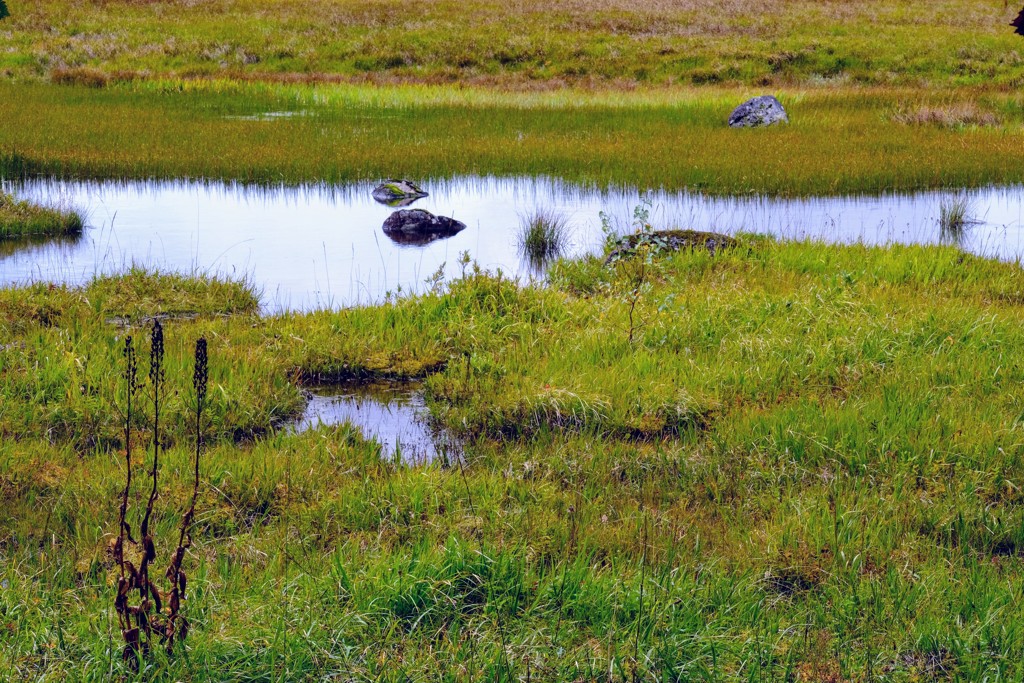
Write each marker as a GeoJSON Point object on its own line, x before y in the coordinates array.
{"type": "Point", "coordinates": [838, 141]}
{"type": "Point", "coordinates": [955, 218]}
{"type": "Point", "coordinates": [25, 220]}
{"type": "Point", "coordinates": [808, 460]}
{"type": "Point", "coordinates": [526, 45]}
{"type": "Point", "coordinates": [543, 236]}
{"type": "Point", "coordinates": [805, 464]}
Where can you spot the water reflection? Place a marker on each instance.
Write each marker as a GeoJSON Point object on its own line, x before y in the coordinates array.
{"type": "Point", "coordinates": [322, 245]}
{"type": "Point", "coordinates": [40, 245]}
{"type": "Point", "coordinates": [391, 413]}
{"type": "Point", "coordinates": [421, 238]}
{"type": "Point", "coordinates": [398, 203]}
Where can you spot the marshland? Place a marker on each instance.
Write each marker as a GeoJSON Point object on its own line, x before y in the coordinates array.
{"type": "Point", "coordinates": [551, 445]}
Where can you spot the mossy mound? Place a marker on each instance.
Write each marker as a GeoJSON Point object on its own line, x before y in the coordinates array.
{"type": "Point", "coordinates": [20, 219]}
{"type": "Point", "coordinates": [669, 240]}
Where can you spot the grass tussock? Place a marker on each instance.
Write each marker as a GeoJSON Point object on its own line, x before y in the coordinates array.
{"type": "Point", "coordinates": [543, 236]}
{"type": "Point", "coordinates": [958, 115]}
{"type": "Point", "coordinates": [90, 77]}
{"type": "Point", "coordinates": [955, 217]}
{"type": "Point", "coordinates": [25, 220]}
{"type": "Point", "coordinates": [828, 430]}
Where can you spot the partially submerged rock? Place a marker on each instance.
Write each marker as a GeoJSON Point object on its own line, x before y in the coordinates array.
{"type": "Point", "coordinates": [760, 111]}
{"type": "Point", "coordinates": [399, 203]}
{"type": "Point", "coordinates": [398, 192]}
{"type": "Point", "coordinates": [670, 240]}
{"type": "Point", "coordinates": [417, 226]}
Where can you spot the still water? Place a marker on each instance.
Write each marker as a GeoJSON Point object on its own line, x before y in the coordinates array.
{"type": "Point", "coordinates": [393, 414]}
{"type": "Point", "coordinates": [318, 246]}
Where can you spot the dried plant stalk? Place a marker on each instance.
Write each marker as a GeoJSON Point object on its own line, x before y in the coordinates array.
{"type": "Point", "coordinates": [125, 581]}
{"type": "Point", "coordinates": [142, 622]}
{"type": "Point", "coordinates": [150, 604]}
{"type": "Point", "coordinates": [177, 625]}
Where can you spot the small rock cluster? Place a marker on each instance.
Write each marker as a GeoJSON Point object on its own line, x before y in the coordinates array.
{"type": "Point", "coordinates": [412, 226]}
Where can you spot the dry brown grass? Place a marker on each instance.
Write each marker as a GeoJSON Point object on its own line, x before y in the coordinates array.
{"type": "Point", "coordinates": [90, 77]}
{"type": "Point", "coordinates": [954, 115]}
{"type": "Point", "coordinates": [670, 137]}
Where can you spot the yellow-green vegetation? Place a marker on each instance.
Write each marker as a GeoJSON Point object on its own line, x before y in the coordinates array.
{"type": "Point", "coordinates": [520, 45]}
{"type": "Point", "coordinates": [805, 466]}
{"type": "Point", "coordinates": [23, 219]}
{"type": "Point", "coordinates": [774, 462]}
{"type": "Point", "coordinates": [883, 95]}
{"type": "Point", "coordinates": [838, 141]}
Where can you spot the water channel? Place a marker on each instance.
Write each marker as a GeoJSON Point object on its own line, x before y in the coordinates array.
{"type": "Point", "coordinates": [319, 246]}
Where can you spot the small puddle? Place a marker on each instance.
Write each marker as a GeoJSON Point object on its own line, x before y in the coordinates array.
{"type": "Point", "coordinates": [268, 116]}
{"type": "Point", "coordinates": [391, 413]}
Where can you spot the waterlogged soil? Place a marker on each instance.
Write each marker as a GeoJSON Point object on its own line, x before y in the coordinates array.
{"type": "Point", "coordinates": [393, 413]}
{"type": "Point", "coordinates": [319, 246]}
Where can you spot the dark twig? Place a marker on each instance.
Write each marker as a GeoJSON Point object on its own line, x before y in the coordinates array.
{"type": "Point", "coordinates": [148, 592]}
{"type": "Point", "coordinates": [176, 624]}
{"type": "Point", "coordinates": [125, 581]}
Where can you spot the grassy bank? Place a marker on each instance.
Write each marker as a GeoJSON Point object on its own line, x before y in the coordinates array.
{"type": "Point", "coordinates": [521, 45]}
{"type": "Point", "coordinates": [804, 466]}
{"type": "Point", "coordinates": [25, 220]}
{"type": "Point", "coordinates": [839, 141]}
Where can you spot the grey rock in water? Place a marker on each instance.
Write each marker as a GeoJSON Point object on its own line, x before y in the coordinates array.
{"type": "Point", "coordinates": [398, 192]}
{"type": "Point", "coordinates": [417, 226]}
{"type": "Point", "coordinates": [760, 111]}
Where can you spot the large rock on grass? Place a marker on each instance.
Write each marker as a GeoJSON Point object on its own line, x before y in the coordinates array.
{"type": "Point", "coordinates": [398, 192]}
{"type": "Point", "coordinates": [758, 112]}
{"type": "Point", "coordinates": [416, 226]}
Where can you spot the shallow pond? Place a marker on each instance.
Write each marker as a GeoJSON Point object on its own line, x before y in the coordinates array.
{"type": "Point", "coordinates": [391, 413]}
{"type": "Point", "coordinates": [322, 246]}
